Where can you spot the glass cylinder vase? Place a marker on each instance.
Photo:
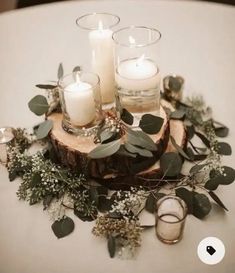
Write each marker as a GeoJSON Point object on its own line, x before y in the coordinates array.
{"type": "Point", "coordinates": [136, 71]}
{"type": "Point", "coordinates": [100, 27]}
{"type": "Point", "coordinates": [81, 103]}
{"type": "Point", "coordinates": [171, 214]}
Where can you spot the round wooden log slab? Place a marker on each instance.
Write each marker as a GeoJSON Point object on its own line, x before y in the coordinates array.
{"type": "Point", "coordinates": [116, 171]}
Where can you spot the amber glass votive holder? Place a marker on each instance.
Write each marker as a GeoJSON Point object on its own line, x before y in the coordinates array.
{"type": "Point", "coordinates": [171, 212]}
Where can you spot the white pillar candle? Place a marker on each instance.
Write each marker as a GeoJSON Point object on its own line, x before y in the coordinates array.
{"type": "Point", "coordinates": [102, 61]}
{"type": "Point", "coordinates": [138, 74]}
{"type": "Point", "coordinates": [80, 104]}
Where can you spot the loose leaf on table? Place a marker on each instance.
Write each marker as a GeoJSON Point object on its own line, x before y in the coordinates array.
{"type": "Point", "coordinates": [151, 124]}
{"type": "Point", "coordinates": [224, 148]}
{"type": "Point", "coordinates": [178, 148]}
{"type": "Point", "coordinates": [105, 150]}
{"type": "Point", "coordinates": [178, 114]}
{"type": "Point", "coordinates": [44, 129]}
{"type": "Point", "coordinates": [136, 150]}
{"type": "Point", "coordinates": [217, 178]}
{"type": "Point", "coordinates": [141, 139]}
{"type": "Point", "coordinates": [38, 105]}
{"type": "Point", "coordinates": [198, 204]}
{"type": "Point", "coordinates": [46, 86]}
{"type": "Point", "coordinates": [111, 243]}
{"type": "Point", "coordinates": [171, 164]}
{"type": "Point", "coordinates": [150, 204]}
{"type": "Point", "coordinates": [63, 227]}
{"type": "Point", "coordinates": [217, 200]}
{"type": "Point", "coordinates": [127, 117]}
{"type": "Point", "coordinates": [60, 72]}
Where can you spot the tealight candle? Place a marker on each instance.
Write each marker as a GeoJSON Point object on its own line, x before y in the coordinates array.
{"type": "Point", "coordinates": [137, 74]}
{"type": "Point", "coordinates": [79, 101]}
{"type": "Point", "coordinates": [6, 136]}
{"type": "Point", "coordinates": [102, 61]}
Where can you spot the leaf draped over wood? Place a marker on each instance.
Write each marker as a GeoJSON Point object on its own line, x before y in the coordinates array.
{"type": "Point", "coordinates": [171, 164]}
{"type": "Point", "coordinates": [139, 138]}
{"type": "Point", "coordinates": [151, 124]}
{"type": "Point", "coordinates": [38, 105]}
{"type": "Point", "coordinates": [136, 150]}
{"type": "Point", "coordinates": [178, 148]}
{"type": "Point", "coordinates": [63, 227]}
{"type": "Point", "coordinates": [44, 129]}
{"type": "Point", "coordinates": [105, 150]}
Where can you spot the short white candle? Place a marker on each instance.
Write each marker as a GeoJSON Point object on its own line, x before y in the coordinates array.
{"type": "Point", "coordinates": [102, 61]}
{"type": "Point", "coordinates": [138, 74]}
{"type": "Point", "coordinates": [80, 104]}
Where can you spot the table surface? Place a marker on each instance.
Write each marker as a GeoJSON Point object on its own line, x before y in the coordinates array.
{"type": "Point", "coordinates": [198, 42]}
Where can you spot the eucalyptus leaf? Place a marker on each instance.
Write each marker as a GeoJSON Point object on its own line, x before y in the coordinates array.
{"type": "Point", "coordinates": [178, 148]}
{"type": "Point", "coordinates": [111, 243]}
{"type": "Point", "coordinates": [44, 129]}
{"type": "Point", "coordinates": [104, 204]}
{"type": "Point", "coordinates": [60, 72]}
{"type": "Point", "coordinates": [190, 131]}
{"type": "Point", "coordinates": [196, 168]}
{"type": "Point", "coordinates": [187, 196]}
{"type": "Point", "coordinates": [82, 215]}
{"type": "Point", "coordinates": [139, 138]}
{"type": "Point", "coordinates": [224, 148]}
{"type": "Point", "coordinates": [221, 131]}
{"type": "Point", "coordinates": [174, 83]}
{"type": "Point", "coordinates": [150, 204]}
{"type": "Point", "coordinates": [122, 151]}
{"type": "Point", "coordinates": [203, 139]}
{"type": "Point", "coordinates": [151, 124]}
{"type": "Point", "coordinates": [47, 201]}
{"type": "Point", "coordinates": [217, 200]}
{"type": "Point", "coordinates": [46, 86]}
{"type": "Point", "coordinates": [77, 69]}
{"type": "Point", "coordinates": [201, 205]}
{"type": "Point", "coordinates": [136, 150]}
{"type": "Point", "coordinates": [127, 117]}
{"type": "Point", "coordinates": [38, 105]}
{"type": "Point", "coordinates": [105, 150]}
{"type": "Point", "coordinates": [94, 196]}
{"type": "Point", "coordinates": [178, 114]}
{"type": "Point", "coordinates": [63, 227]}
{"type": "Point", "coordinates": [107, 136]}
{"type": "Point", "coordinates": [171, 164]}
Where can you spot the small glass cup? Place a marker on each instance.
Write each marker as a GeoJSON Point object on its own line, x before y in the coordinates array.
{"type": "Point", "coordinates": [6, 138]}
{"type": "Point", "coordinates": [171, 214]}
{"type": "Point", "coordinates": [136, 71]}
{"type": "Point", "coordinates": [81, 103]}
{"type": "Point", "coordinates": [100, 27]}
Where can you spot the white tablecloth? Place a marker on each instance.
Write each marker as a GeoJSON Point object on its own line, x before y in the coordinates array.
{"type": "Point", "coordinates": [198, 42]}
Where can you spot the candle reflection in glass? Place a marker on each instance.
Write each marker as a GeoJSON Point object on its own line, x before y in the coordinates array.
{"type": "Point", "coordinates": [171, 213]}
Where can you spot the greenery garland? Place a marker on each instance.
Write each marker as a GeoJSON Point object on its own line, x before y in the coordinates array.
{"type": "Point", "coordinates": [44, 179]}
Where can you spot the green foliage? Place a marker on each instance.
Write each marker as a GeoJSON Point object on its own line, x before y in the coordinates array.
{"type": "Point", "coordinates": [151, 124]}
{"type": "Point", "coordinates": [44, 129]}
{"type": "Point", "coordinates": [38, 105]}
{"type": "Point", "coordinates": [63, 227]}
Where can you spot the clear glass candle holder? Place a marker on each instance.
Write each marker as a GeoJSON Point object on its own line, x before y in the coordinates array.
{"type": "Point", "coordinates": [6, 138]}
{"type": "Point", "coordinates": [100, 27]}
{"type": "Point", "coordinates": [171, 214]}
{"type": "Point", "coordinates": [136, 71]}
{"type": "Point", "coordinates": [81, 103]}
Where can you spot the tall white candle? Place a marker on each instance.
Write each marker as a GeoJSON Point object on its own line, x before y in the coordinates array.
{"type": "Point", "coordinates": [80, 104]}
{"type": "Point", "coordinates": [102, 61]}
{"type": "Point", "coordinates": [137, 74]}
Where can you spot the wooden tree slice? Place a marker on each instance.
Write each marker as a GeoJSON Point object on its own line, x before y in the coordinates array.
{"type": "Point", "coordinates": [116, 170]}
